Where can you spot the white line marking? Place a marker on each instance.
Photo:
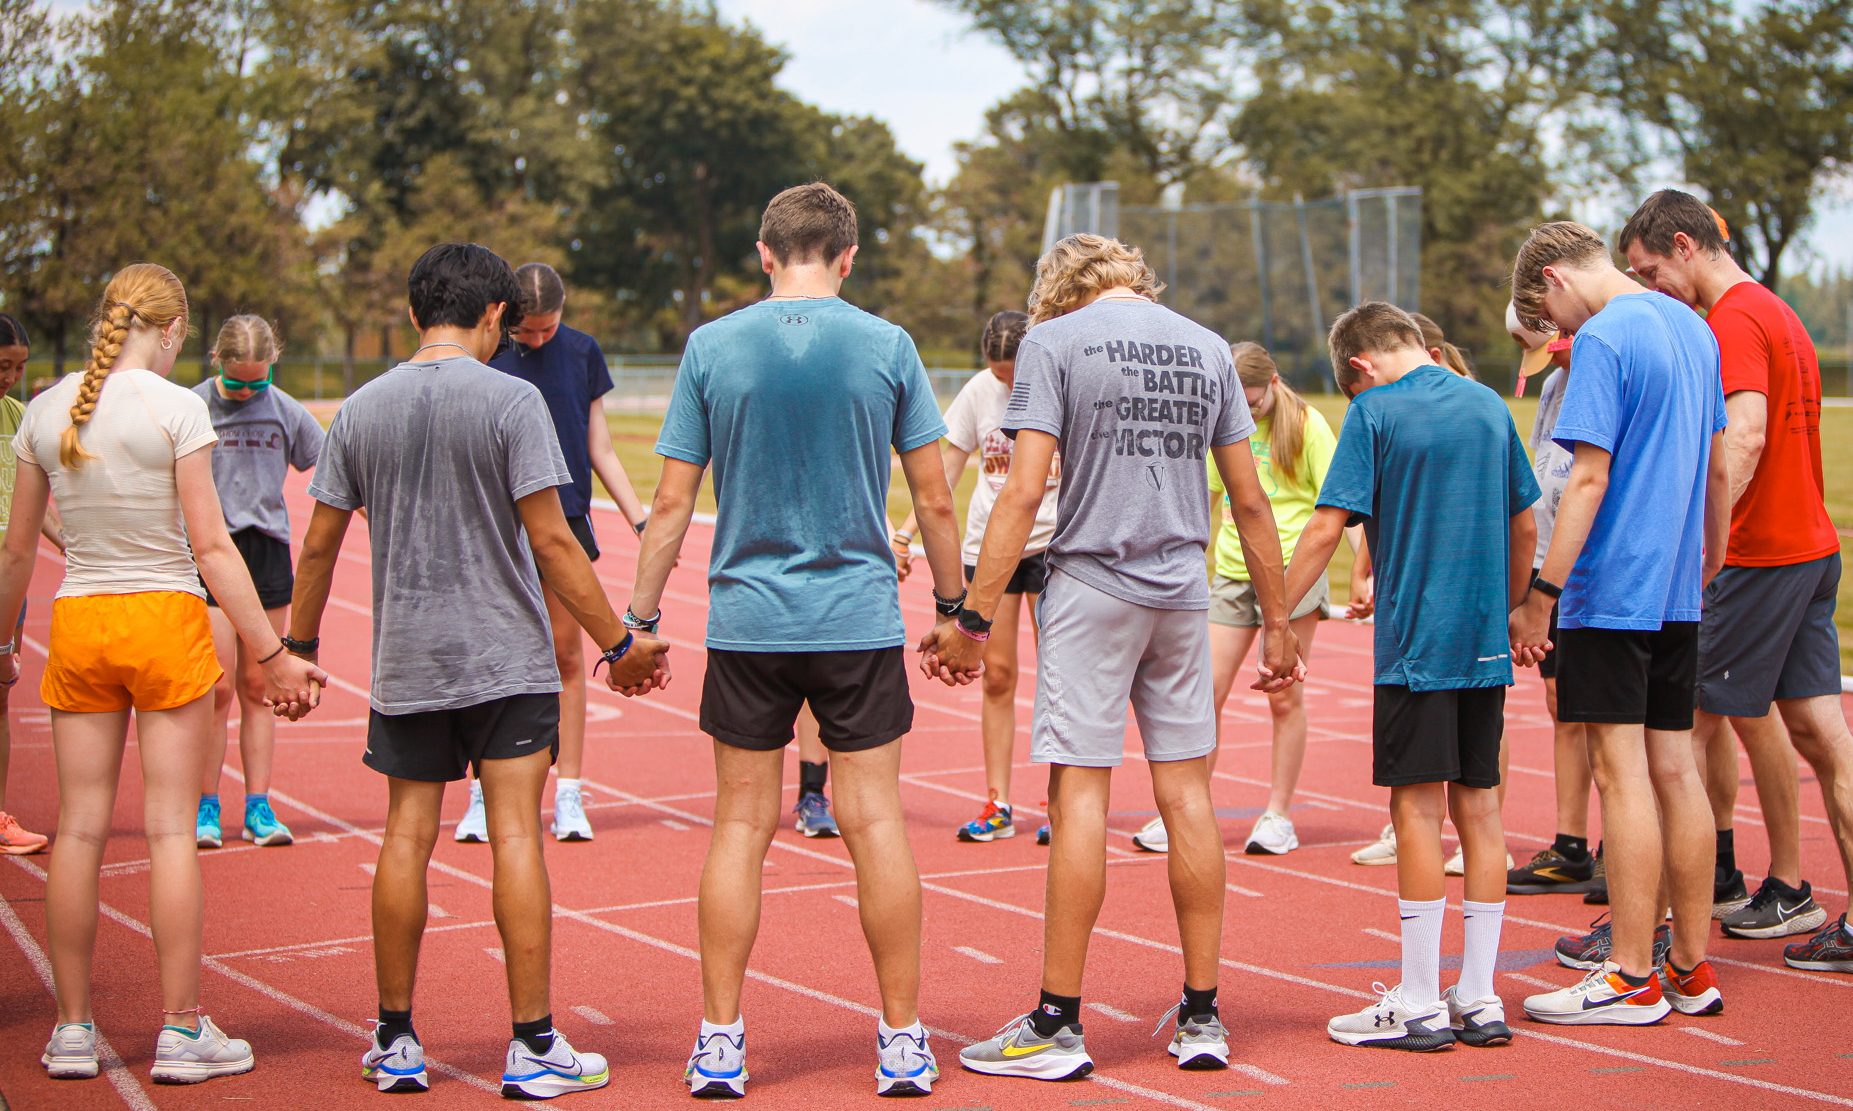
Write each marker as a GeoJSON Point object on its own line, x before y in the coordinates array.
{"type": "Point", "coordinates": [1240, 890]}
{"type": "Point", "coordinates": [1113, 1013]}
{"type": "Point", "coordinates": [369, 867]}
{"type": "Point", "coordinates": [847, 900]}
{"type": "Point", "coordinates": [977, 954]}
{"type": "Point", "coordinates": [1535, 982]}
{"type": "Point", "coordinates": [496, 952]}
{"type": "Point", "coordinates": [432, 910]}
{"type": "Point", "coordinates": [1258, 1073]}
{"type": "Point", "coordinates": [1709, 1036]}
{"type": "Point", "coordinates": [675, 825]}
{"type": "Point", "coordinates": [593, 1015]}
{"type": "Point", "coordinates": [1384, 934]}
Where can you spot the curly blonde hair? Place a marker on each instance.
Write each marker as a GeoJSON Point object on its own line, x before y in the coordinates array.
{"type": "Point", "coordinates": [141, 295]}
{"type": "Point", "coordinates": [1080, 267]}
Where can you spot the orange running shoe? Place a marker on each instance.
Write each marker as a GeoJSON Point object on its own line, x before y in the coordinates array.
{"type": "Point", "coordinates": [1695, 992]}
{"type": "Point", "coordinates": [1601, 998]}
{"type": "Point", "coordinates": [17, 841]}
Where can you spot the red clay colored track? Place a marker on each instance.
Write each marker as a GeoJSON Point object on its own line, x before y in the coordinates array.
{"type": "Point", "coordinates": [290, 964]}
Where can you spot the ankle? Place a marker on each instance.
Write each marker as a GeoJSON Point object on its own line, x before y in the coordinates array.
{"type": "Point", "coordinates": [1054, 1012]}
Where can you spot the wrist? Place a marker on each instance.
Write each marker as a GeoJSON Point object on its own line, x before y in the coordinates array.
{"type": "Point", "coordinates": [306, 647]}
{"type": "Point", "coordinates": [972, 623]}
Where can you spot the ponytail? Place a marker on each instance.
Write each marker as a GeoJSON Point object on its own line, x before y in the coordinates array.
{"type": "Point", "coordinates": [142, 294]}
{"type": "Point", "coordinates": [1450, 356]}
{"type": "Point", "coordinates": [1287, 431]}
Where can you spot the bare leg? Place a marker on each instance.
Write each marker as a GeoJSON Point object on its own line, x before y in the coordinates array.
{"type": "Point", "coordinates": [1716, 755]}
{"type": "Point", "coordinates": [224, 696]}
{"type": "Point", "coordinates": [1631, 831]}
{"type": "Point", "coordinates": [998, 721]}
{"type": "Point", "coordinates": [569, 654]}
{"type": "Point", "coordinates": [522, 895]}
{"type": "Point", "coordinates": [1819, 731]}
{"type": "Point", "coordinates": [257, 726]}
{"type": "Point", "coordinates": [1229, 646]}
{"type": "Point", "coordinates": [399, 899]}
{"type": "Point", "coordinates": [1289, 712]}
{"type": "Point", "coordinates": [89, 756]}
{"type": "Point", "coordinates": [1416, 811]}
{"type": "Point", "coordinates": [811, 748]}
{"type": "Point", "coordinates": [172, 744]}
{"type": "Point", "coordinates": [1778, 790]}
{"type": "Point", "coordinates": [1570, 765]}
{"type": "Point", "coordinates": [1687, 840]}
{"type": "Point", "coordinates": [1475, 811]}
{"type": "Point", "coordinates": [868, 804]}
{"type": "Point", "coordinates": [746, 814]}
{"type": "Point", "coordinates": [1196, 866]}
{"type": "Point", "coordinates": [1077, 878]}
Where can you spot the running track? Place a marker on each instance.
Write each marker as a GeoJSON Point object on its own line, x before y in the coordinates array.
{"type": "Point", "coordinates": [289, 965]}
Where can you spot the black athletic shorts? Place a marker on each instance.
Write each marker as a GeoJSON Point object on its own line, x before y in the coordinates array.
{"type": "Point", "coordinates": [1448, 736]}
{"type": "Point", "coordinates": [1629, 676]}
{"type": "Point", "coordinates": [1030, 577]}
{"type": "Point", "coordinates": [582, 532]}
{"type": "Point", "coordinates": [1547, 667]}
{"type": "Point", "coordinates": [751, 699]}
{"type": "Point", "coordinates": [268, 560]}
{"type": "Point", "coordinates": [436, 746]}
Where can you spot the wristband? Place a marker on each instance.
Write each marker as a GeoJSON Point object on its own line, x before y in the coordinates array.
{"type": "Point", "coordinates": [615, 653]}
{"type": "Point", "coordinates": [302, 647]}
{"type": "Point", "coordinates": [9, 648]}
{"type": "Point", "coordinates": [639, 525]}
{"type": "Point", "coordinates": [632, 621]}
{"type": "Point", "coordinates": [280, 650]}
{"type": "Point", "coordinates": [1546, 587]}
{"type": "Point", "coordinates": [969, 635]}
{"type": "Point", "coordinates": [949, 607]}
{"type": "Point", "coordinates": [905, 539]}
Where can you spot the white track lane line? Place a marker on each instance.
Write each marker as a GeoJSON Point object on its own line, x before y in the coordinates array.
{"type": "Point", "coordinates": [1113, 1013]}
{"type": "Point", "coordinates": [977, 954]}
{"type": "Point", "coordinates": [593, 1015]}
{"type": "Point", "coordinates": [1699, 1032]}
{"type": "Point", "coordinates": [1258, 1073]}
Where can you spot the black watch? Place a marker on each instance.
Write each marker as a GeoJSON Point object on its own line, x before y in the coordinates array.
{"type": "Point", "coordinates": [302, 647]}
{"type": "Point", "coordinates": [1546, 587]}
{"type": "Point", "coordinates": [972, 623]}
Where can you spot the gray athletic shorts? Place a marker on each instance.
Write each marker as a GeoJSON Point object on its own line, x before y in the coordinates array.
{"type": "Point", "coordinates": [1097, 653]}
{"type": "Point", "coordinates": [1233, 602]}
{"type": "Point", "coordinates": [1768, 635]}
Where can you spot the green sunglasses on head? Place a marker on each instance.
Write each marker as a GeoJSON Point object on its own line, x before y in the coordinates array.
{"type": "Point", "coordinates": [235, 384]}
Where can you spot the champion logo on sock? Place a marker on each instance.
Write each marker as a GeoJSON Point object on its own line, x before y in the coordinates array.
{"type": "Point", "coordinates": [1051, 1010]}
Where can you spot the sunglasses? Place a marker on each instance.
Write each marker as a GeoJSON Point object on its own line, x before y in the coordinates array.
{"type": "Point", "coordinates": [236, 384]}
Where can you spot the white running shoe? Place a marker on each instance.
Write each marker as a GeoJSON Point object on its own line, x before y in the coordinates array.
{"type": "Point", "coordinates": [1199, 1043]}
{"type": "Point", "coordinates": [1017, 1050]}
{"type": "Point", "coordinates": [569, 820]}
{"type": "Point", "coordinates": [717, 1068]}
{"type": "Point", "coordinates": [188, 1057]}
{"type": "Point", "coordinates": [557, 1072]}
{"type": "Point", "coordinates": [72, 1052]}
{"type": "Point", "coordinates": [1380, 851]}
{"type": "Point", "coordinates": [1152, 837]}
{"type": "Point", "coordinates": [1601, 998]}
{"type": "Point", "coordinates": [1476, 1022]}
{"type": "Point", "coordinates": [474, 827]}
{"type": "Point", "coordinates": [906, 1065]}
{"type": "Point", "coordinates": [1457, 864]}
{"type": "Point", "coordinates": [1273, 835]}
{"type": "Point", "coordinates": [1391, 1023]}
{"type": "Point", "coordinates": [399, 1067]}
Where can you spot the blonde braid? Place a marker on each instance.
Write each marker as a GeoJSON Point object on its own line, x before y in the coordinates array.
{"type": "Point", "coordinates": [112, 328]}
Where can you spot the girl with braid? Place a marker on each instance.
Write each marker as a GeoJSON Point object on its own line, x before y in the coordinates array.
{"type": "Point", "coordinates": [126, 453]}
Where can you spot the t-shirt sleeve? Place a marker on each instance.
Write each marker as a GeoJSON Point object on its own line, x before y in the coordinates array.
{"type": "Point", "coordinates": [1521, 484]}
{"type": "Point", "coordinates": [1719, 417]}
{"type": "Point", "coordinates": [1591, 412]}
{"type": "Point", "coordinates": [685, 424]}
{"type": "Point", "coordinates": [1351, 482]}
{"type": "Point", "coordinates": [305, 437]}
{"type": "Point", "coordinates": [962, 417]}
{"type": "Point", "coordinates": [1317, 446]}
{"type": "Point", "coordinates": [917, 421]}
{"type": "Point", "coordinates": [597, 372]}
{"type": "Point", "coordinates": [1036, 398]}
{"type": "Point", "coordinates": [1234, 423]}
{"type": "Point", "coordinates": [533, 448]}
{"type": "Point", "coordinates": [1743, 347]}
{"type": "Point", "coordinates": [189, 425]}
{"type": "Point", "coordinates": [22, 436]}
{"type": "Point", "coordinates": [334, 483]}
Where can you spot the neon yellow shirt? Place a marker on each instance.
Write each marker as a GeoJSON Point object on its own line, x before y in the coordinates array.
{"type": "Point", "coordinates": [11, 411]}
{"type": "Point", "coordinates": [1293, 502]}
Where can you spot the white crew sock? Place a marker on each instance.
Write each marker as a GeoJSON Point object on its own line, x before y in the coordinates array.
{"type": "Point", "coordinates": [733, 1029]}
{"type": "Point", "coordinates": [1421, 950]}
{"type": "Point", "coordinates": [886, 1031]}
{"type": "Point", "coordinates": [1483, 921]}
{"type": "Point", "coordinates": [564, 785]}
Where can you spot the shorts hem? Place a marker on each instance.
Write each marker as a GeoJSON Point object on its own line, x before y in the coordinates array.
{"type": "Point", "coordinates": [1414, 779]}
{"type": "Point", "coordinates": [1076, 761]}
{"type": "Point", "coordinates": [1189, 754]}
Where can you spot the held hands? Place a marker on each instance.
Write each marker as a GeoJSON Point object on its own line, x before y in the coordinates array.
{"type": "Point", "coordinates": [643, 669]}
{"type": "Point", "coordinates": [293, 685]}
{"type": "Point", "coordinates": [1529, 629]}
{"type": "Point", "coordinates": [1281, 665]}
{"type": "Point", "coordinates": [1363, 601]}
{"type": "Point", "coordinates": [949, 655]}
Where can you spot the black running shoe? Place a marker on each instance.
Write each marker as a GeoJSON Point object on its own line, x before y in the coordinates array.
{"type": "Point", "coordinates": [1777, 910]}
{"type": "Point", "coordinates": [1591, 950]}
{"type": "Point", "coordinates": [1550, 871]}
{"type": "Point", "coordinates": [1831, 950]}
{"type": "Point", "coordinates": [1598, 893]}
{"type": "Point", "coordinates": [1728, 893]}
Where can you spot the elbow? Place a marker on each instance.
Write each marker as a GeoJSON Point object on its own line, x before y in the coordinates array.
{"type": "Point", "coordinates": [667, 503]}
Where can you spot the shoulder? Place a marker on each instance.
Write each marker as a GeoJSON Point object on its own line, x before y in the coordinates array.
{"type": "Point", "coordinates": [576, 342]}
{"type": "Point", "coordinates": [163, 390]}
{"type": "Point", "coordinates": [12, 406]}
{"type": "Point", "coordinates": [1315, 420]}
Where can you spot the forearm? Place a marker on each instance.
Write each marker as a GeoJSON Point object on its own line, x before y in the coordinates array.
{"type": "Point", "coordinates": [1013, 516]}
{"type": "Point", "coordinates": [315, 573]}
{"type": "Point", "coordinates": [1742, 454]}
{"type": "Point", "coordinates": [939, 535]}
{"type": "Point", "coordinates": [226, 576]}
{"type": "Point", "coordinates": [567, 572]}
{"type": "Point", "coordinates": [1254, 523]}
{"type": "Point", "coordinates": [1522, 546]}
{"type": "Point", "coordinates": [1576, 515]}
{"type": "Point", "coordinates": [618, 484]}
{"type": "Point", "coordinates": [1312, 555]}
{"type": "Point", "coordinates": [662, 543]}
{"type": "Point", "coordinates": [16, 566]}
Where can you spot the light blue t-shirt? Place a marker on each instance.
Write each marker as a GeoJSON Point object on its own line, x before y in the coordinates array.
{"type": "Point", "coordinates": [1433, 466]}
{"type": "Point", "coordinates": [1647, 389]}
{"type": "Point", "coordinates": [797, 404]}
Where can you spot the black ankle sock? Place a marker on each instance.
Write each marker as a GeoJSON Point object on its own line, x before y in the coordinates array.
{"type": "Point", "coordinates": [1727, 851]}
{"type": "Point", "coordinates": [811, 777]}
{"type": "Point", "coordinates": [1573, 849]}
{"type": "Point", "coordinates": [1198, 1004]}
{"type": "Point", "coordinates": [1055, 1012]}
{"type": "Point", "coordinates": [395, 1024]}
{"type": "Point", "coordinates": [1635, 981]}
{"type": "Point", "coordinates": [536, 1035]}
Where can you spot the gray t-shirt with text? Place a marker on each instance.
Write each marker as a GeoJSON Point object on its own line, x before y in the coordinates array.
{"type": "Point", "coordinates": [260, 439]}
{"type": "Point", "coordinates": [1137, 395]}
{"type": "Point", "coordinates": [438, 453]}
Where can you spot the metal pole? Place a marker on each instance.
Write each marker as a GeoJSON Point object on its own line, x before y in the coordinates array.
{"type": "Point", "coordinates": [1357, 272]}
{"type": "Point", "coordinates": [1312, 280]}
{"type": "Point", "coordinates": [1258, 233]}
{"type": "Point", "coordinates": [1390, 251]}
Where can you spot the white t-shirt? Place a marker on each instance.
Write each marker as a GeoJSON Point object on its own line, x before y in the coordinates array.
{"type": "Point", "coordinates": [123, 531]}
{"type": "Point", "coordinates": [973, 422]}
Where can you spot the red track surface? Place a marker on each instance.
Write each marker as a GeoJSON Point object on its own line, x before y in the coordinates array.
{"type": "Point", "coordinates": [290, 967]}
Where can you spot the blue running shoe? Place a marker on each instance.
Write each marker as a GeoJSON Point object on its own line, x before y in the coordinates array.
{"type": "Point", "coordinates": [994, 823]}
{"type": "Point", "coordinates": [814, 817]}
{"type": "Point", "coordinates": [717, 1068]}
{"type": "Point", "coordinates": [907, 1066]}
{"type": "Point", "coordinates": [1042, 834]}
{"type": "Point", "coordinates": [261, 825]}
{"type": "Point", "coordinates": [399, 1067]}
{"type": "Point", "coordinates": [206, 830]}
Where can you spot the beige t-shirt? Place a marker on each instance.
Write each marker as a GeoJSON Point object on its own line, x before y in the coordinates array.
{"type": "Point", "coordinates": [972, 422]}
{"type": "Point", "coordinates": [123, 531]}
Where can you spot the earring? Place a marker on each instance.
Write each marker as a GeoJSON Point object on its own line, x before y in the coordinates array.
{"type": "Point", "coordinates": [167, 345]}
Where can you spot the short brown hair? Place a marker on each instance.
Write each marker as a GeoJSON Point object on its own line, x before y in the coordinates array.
{"type": "Point", "coordinates": [808, 223]}
{"type": "Point", "coordinates": [1666, 214]}
{"type": "Point", "coordinates": [1373, 326]}
{"type": "Point", "coordinates": [1560, 241]}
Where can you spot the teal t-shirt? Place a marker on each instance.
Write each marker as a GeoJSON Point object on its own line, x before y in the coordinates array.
{"type": "Point", "coordinates": [796, 405]}
{"type": "Point", "coordinates": [1433, 466]}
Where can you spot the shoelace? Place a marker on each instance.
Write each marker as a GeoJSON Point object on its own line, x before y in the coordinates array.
{"type": "Point", "coordinates": [1766, 894]}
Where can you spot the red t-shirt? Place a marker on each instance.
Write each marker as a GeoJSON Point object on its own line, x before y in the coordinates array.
{"type": "Point", "coordinates": [1782, 516]}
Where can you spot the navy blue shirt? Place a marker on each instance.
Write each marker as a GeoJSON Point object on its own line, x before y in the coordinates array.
{"type": "Point", "coordinates": [570, 372]}
{"type": "Point", "coordinates": [1434, 467]}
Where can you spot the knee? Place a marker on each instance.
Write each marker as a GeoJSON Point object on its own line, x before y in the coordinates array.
{"type": "Point", "coordinates": [1423, 802]}
{"type": "Point", "coordinates": [223, 693]}
{"type": "Point", "coordinates": [1472, 805]}
{"type": "Point", "coordinates": [250, 689]}
{"type": "Point", "coordinates": [1286, 704]}
{"type": "Point", "coordinates": [1000, 680]}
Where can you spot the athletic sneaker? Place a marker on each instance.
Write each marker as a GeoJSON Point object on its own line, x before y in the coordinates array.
{"type": "Point", "coordinates": [206, 831]}
{"type": "Point", "coordinates": [1273, 835]}
{"type": "Point", "coordinates": [814, 817]}
{"type": "Point", "coordinates": [1476, 1022]}
{"type": "Point", "coordinates": [569, 820]}
{"type": "Point", "coordinates": [474, 828]}
{"type": "Point", "coordinates": [1598, 893]}
{"type": "Point", "coordinates": [16, 840]}
{"type": "Point", "coordinates": [1777, 910]}
{"type": "Point", "coordinates": [1199, 1042]}
{"type": "Point", "coordinates": [1831, 950]}
{"type": "Point", "coordinates": [1018, 1050]}
{"type": "Point", "coordinates": [399, 1067]}
{"type": "Point", "coordinates": [717, 1068]}
{"type": "Point", "coordinates": [1550, 871]}
{"type": "Point", "coordinates": [1457, 864]}
{"type": "Point", "coordinates": [557, 1072]}
{"type": "Point", "coordinates": [1591, 950]}
{"type": "Point", "coordinates": [261, 825]}
{"type": "Point", "coordinates": [1728, 894]}
{"type": "Point", "coordinates": [1601, 998]}
{"type": "Point", "coordinates": [1380, 851]}
{"type": "Point", "coordinates": [72, 1052]}
{"type": "Point", "coordinates": [1695, 993]}
{"type": "Point", "coordinates": [1391, 1023]}
{"type": "Point", "coordinates": [189, 1056]}
{"type": "Point", "coordinates": [907, 1066]}
{"type": "Point", "coordinates": [993, 823]}
{"type": "Point", "coordinates": [1152, 837]}
{"type": "Point", "coordinates": [1043, 833]}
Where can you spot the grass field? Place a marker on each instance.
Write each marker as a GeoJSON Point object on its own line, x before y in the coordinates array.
{"type": "Point", "coordinates": [634, 436]}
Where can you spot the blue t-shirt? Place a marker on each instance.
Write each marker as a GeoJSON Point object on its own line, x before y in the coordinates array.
{"type": "Point", "coordinates": [570, 372]}
{"type": "Point", "coordinates": [797, 405]}
{"type": "Point", "coordinates": [1647, 390]}
{"type": "Point", "coordinates": [1434, 468]}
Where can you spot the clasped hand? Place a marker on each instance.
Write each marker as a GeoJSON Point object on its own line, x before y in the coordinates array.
{"type": "Point", "coordinates": [949, 655]}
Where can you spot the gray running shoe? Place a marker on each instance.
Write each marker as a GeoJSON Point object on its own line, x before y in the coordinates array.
{"type": "Point", "coordinates": [1018, 1050]}
{"type": "Point", "coordinates": [188, 1057]}
{"type": "Point", "coordinates": [1776, 910]}
{"type": "Point", "coordinates": [1199, 1042]}
{"type": "Point", "coordinates": [72, 1052]}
